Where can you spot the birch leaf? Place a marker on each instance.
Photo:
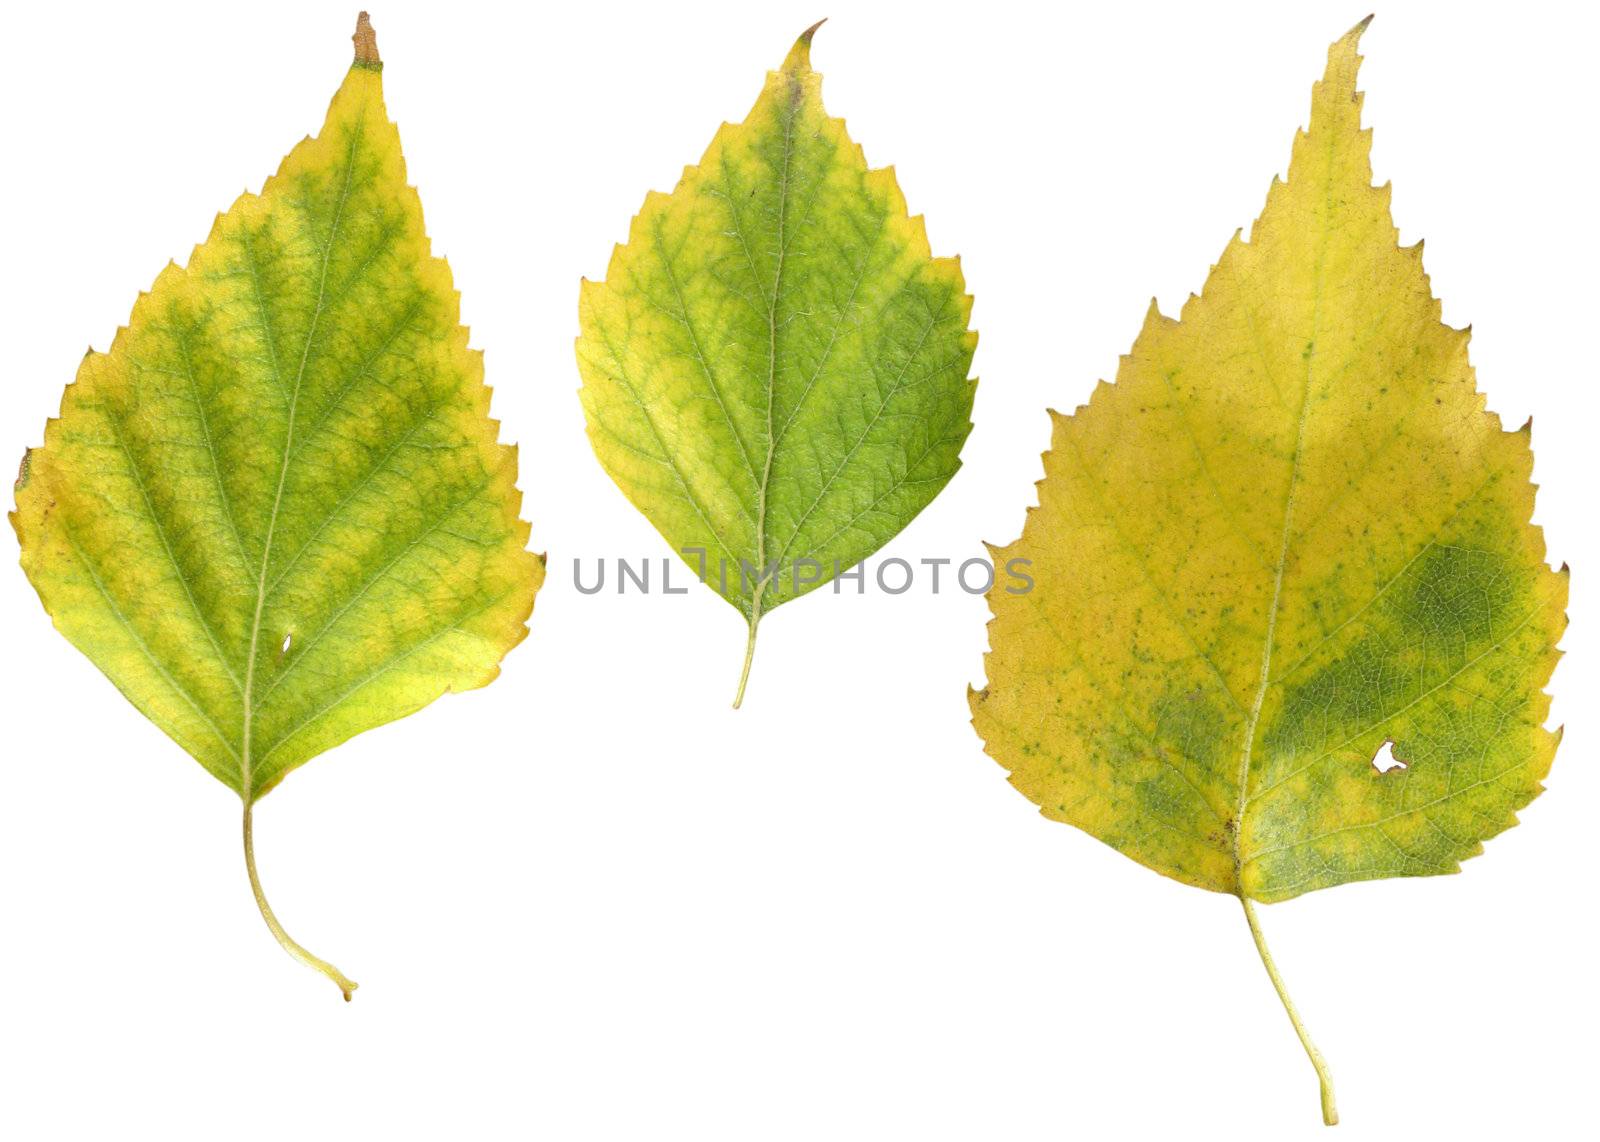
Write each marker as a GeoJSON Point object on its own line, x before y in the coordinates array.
{"type": "Point", "coordinates": [775, 368]}
{"type": "Point", "coordinates": [275, 513]}
{"type": "Point", "coordinates": [1287, 541]}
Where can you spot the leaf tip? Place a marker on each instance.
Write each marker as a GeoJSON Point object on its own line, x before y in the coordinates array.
{"type": "Point", "coordinates": [799, 57]}
{"type": "Point", "coordinates": [1352, 38]}
{"type": "Point", "coordinates": [366, 42]}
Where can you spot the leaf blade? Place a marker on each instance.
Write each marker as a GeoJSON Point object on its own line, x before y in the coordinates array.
{"type": "Point", "coordinates": [1295, 511]}
{"type": "Point", "coordinates": [775, 367]}
{"type": "Point", "coordinates": [276, 513]}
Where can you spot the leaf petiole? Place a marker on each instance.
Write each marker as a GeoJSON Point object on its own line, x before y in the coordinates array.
{"type": "Point", "coordinates": [343, 982]}
{"type": "Point", "coordinates": [1330, 1112]}
{"type": "Point", "coordinates": [749, 656]}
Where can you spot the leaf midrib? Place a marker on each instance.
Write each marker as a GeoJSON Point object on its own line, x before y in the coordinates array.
{"type": "Point", "coordinates": [796, 93]}
{"type": "Point", "coordinates": [776, 436]}
{"type": "Point", "coordinates": [245, 771]}
{"type": "Point", "coordinates": [1247, 747]}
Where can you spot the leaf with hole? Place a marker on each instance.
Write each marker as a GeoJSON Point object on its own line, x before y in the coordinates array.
{"type": "Point", "coordinates": [1291, 621]}
{"type": "Point", "coordinates": [775, 368]}
{"type": "Point", "coordinates": [276, 513]}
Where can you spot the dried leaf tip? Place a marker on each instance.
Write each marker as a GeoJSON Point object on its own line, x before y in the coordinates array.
{"type": "Point", "coordinates": [799, 57]}
{"type": "Point", "coordinates": [366, 41]}
{"type": "Point", "coordinates": [1354, 34]}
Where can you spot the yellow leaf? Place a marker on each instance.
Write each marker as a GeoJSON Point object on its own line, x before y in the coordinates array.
{"type": "Point", "coordinates": [1287, 535]}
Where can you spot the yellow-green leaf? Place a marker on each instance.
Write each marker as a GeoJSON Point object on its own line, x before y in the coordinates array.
{"type": "Point", "coordinates": [1289, 534]}
{"type": "Point", "coordinates": [276, 513]}
{"type": "Point", "coordinates": [775, 368]}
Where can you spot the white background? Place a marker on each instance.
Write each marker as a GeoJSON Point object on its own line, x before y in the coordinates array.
{"type": "Point", "coordinates": [590, 901]}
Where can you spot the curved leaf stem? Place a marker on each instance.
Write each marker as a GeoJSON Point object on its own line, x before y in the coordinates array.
{"type": "Point", "coordinates": [343, 982]}
{"type": "Point", "coordinates": [1330, 1112]}
{"type": "Point", "coordinates": [749, 655]}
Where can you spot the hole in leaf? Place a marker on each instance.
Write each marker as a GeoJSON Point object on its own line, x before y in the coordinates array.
{"type": "Point", "coordinates": [1384, 761]}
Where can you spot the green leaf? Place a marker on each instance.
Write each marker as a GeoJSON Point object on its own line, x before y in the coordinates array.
{"type": "Point", "coordinates": [1287, 536]}
{"type": "Point", "coordinates": [275, 513]}
{"type": "Point", "coordinates": [775, 368]}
